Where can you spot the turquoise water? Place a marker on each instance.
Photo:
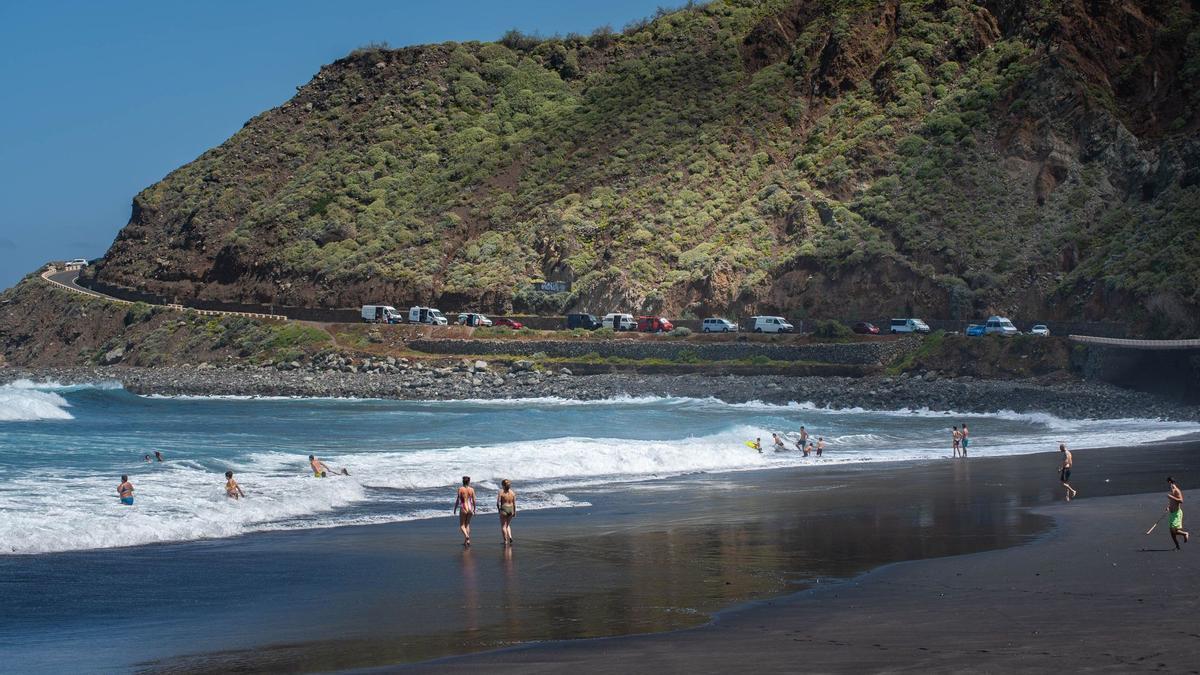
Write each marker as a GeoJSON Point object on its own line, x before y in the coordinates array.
{"type": "Point", "coordinates": [65, 448]}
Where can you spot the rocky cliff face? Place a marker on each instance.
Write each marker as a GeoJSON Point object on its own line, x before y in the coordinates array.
{"type": "Point", "coordinates": [816, 158]}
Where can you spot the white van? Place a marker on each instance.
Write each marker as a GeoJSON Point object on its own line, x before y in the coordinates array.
{"type": "Point", "coordinates": [473, 319]}
{"type": "Point", "coordinates": [909, 326]}
{"type": "Point", "coordinates": [716, 324]}
{"type": "Point", "coordinates": [381, 314]}
{"type": "Point", "coordinates": [617, 321]}
{"type": "Point", "coordinates": [999, 325]}
{"type": "Point", "coordinates": [772, 324]}
{"type": "Point", "coordinates": [426, 315]}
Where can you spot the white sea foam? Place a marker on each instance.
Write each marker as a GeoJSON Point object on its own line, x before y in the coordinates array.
{"type": "Point", "coordinates": [20, 402]}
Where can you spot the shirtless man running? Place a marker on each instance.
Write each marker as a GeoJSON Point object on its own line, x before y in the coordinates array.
{"type": "Point", "coordinates": [464, 506]}
{"type": "Point", "coordinates": [1175, 508]}
{"type": "Point", "coordinates": [1064, 471]}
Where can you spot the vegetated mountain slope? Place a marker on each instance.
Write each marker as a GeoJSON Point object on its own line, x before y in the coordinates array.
{"type": "Point", "coordinates": [836, 158]}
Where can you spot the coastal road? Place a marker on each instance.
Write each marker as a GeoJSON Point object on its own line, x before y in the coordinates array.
{"type": "Point", "coordinates": [68, 279]}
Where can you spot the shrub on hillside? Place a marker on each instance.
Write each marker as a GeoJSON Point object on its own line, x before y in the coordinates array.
{"type": "Point", "coordinates": [682, 331]}
{"type": "Point", "coordinates": [828, 328]}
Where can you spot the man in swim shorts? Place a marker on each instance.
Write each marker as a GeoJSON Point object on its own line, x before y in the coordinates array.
{"type": "Point", "coordinates": [1064, 471]}
{"type": "Point", "coordinates": [779, 446]}
{"type": "Point", "coordinates": [464, 506]}
{"type": "Point", "coordinates": [232, 489]}
{"type": "Point", "coordinates": [318, 467]}
{"type": "Point", "coordinates": [1175, 508]}
{"type": "Point", "coordinates": [820, 445]}
{"type": "Point", "coordinates": [963, 434]}
{"type": "Point", "coordinates": [125, 491]}
{"type": "Point", "coordinates": [803, 437]}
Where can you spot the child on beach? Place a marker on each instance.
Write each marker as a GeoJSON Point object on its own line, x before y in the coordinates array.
{"type": "Point", "coordinates": [506, 505]}
{"type": "Point", "coordinates": [125, 491]}
{"type": "Point", "coordinates": [820, 445]}
{"type": "Point", "coordinates": [1175, 508]}
{"type": "Point", "coordinates": [464, 506]}
{"type": "Point", "coordinates": [232, 489]}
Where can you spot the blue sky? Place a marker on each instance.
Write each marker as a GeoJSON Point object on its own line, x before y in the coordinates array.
{"type": "Point", "coordinates": [101, 99]}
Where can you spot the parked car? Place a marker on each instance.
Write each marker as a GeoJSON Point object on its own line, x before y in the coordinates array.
{"type": "Point", "coordinates": [80, 262]}
{"type": "Point", "coordinates": [427, 315]}
{"type": "Point", "coordinates": [999, 325]}
{"type": "Point", "coordinates": [909, 326]}
{"type": "Point", "coordinates": [716, 324]}
{"type": "Point", "coordinates": [975, 330]}
{"type": "Point", "coordinates": [654, 324]}
{"type": "Point", "coordinates": [619, 322]}
{"type": "Point", "coordinates": [473, 319]}
{"type": "Point", "coordinates": [507, 323]}
{"type": "Point", "coordinates": [865, 328]}
{"type": "Point", "coordinates": [380, 314]}
{"type": "Point", "coordinates": [1040, 329]}
{"type": "Point", "coordinates": [584, 321]}
{"type": "Point", "coordinates": [772, 324]}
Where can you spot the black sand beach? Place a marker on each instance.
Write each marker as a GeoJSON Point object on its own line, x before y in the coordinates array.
{"type": "Point", "coordinates": [669, 556]}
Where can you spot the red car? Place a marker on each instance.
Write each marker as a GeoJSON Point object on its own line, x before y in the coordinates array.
{"type": "Point", "coordinates": [654, 324]}
{"type": "Point", "coordinates": [509, 323]}
{"type": "Point", "coordinates": [865, 328]}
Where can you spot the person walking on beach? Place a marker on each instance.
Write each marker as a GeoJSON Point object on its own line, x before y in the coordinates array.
{"type": "Point", "coordinates": [1175, 508]}
{"type": "Point", "coordinates": [956, 438]}
{"type": "Point", "coordinates": [506, 505]}
{"type": "Point", "coordinates": [963, 434]}
{"type": "Point", "coordinates": [779, 446]}
{"type": "Point", "coordinates": [820, 445]}
{"type": "Point", "coordinates": [125, 491]}
{"type": "Point", "coordinates": [1064, 471]}
{"type": "Point", "coordinates": [464, 506]}
{"type": "Point", "coordinates": [232, 489]}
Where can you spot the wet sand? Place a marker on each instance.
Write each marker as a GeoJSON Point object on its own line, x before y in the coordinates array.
{"type": "Point", "coordinates": [1095, 595]}
{"type": "Point", "coordinates": [649, 557]}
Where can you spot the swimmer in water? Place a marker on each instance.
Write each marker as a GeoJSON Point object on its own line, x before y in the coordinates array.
{"type": "Point", "coordinates": [232, 489]}
{"type": "Point", "coordinates": [779, 446]}
{"type": "Point", "coordinates": [318, 467]}
{"type": "Point", "coordinates": [125, 491]}
{"type": "Point", "coordinates": [158, 455]}
{"type": "Point", "coordinates": [464, 506]}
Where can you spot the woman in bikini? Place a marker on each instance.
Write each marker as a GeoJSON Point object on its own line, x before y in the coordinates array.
{"type": "Point", "coordinates": [506, 505]}
{"type": "Point", "coordinates": [232, 489]}
{"type": "Point", "coordinates": [464, 506]}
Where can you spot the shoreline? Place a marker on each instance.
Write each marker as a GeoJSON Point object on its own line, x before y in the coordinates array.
{"type": "Point", "coordinates": [936, 613]}
{"type": "Point", "coordinates": [1070, 399]}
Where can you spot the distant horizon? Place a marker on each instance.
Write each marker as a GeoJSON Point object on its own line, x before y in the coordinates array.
{"type": "Point", "coordinates": [106, 100]}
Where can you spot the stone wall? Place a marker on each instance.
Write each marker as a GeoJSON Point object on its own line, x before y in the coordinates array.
{"type": "Point", "coordinates": [852, 353]}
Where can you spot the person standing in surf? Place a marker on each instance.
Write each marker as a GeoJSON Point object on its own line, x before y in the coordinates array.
{"type": "Point", "coordinates": [955, 439]}
{"type": "Point", "coordinates": [965, 440]}
{"type": "Point", "coordinates": [1175, 508]}
{"type": "Point", "coordinates": [125, 491]}
{"type": "Point", "coordinates": [1064, 471]}
{"type": "Point", "coordinates": [232, 489]}
{"type": "Point", "coordinates": [820, 445]}
{"type": "Point", "coordinates": [464, 506]}
{"type": "Point", "coordinates": [506, 506]}
{"type": "Point", "coordinates": [318, 467]}
{"type": "Point", "coordinates": [803, 438]}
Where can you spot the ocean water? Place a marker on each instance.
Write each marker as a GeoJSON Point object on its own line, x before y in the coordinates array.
{"type": "Point", "coordinates": [66, 446]}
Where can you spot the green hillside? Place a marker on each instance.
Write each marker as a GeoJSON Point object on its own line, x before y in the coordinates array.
{"type": "Point", "coordinates": [826, 158]}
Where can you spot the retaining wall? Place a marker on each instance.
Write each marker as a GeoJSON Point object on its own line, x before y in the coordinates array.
{"type": "Point", "coordinates": [853, 353]}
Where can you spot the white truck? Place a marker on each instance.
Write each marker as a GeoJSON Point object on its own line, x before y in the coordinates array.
{"type": "Point", "coordinates": [772, 324]}
{"type": "Point", "coordinates": [427, 315]}
{"type": "Point", "coordinates": [618, 321]}
{"type": "Point", "coordinates": [909, 326]}
{"type": "Point", "coordinates": [999, 325]}
{"type": "Point", "coordinates": [381, 314]}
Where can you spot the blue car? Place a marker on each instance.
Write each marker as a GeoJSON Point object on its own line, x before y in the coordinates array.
{"type": "Point", "coordinates": [975, 330]}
